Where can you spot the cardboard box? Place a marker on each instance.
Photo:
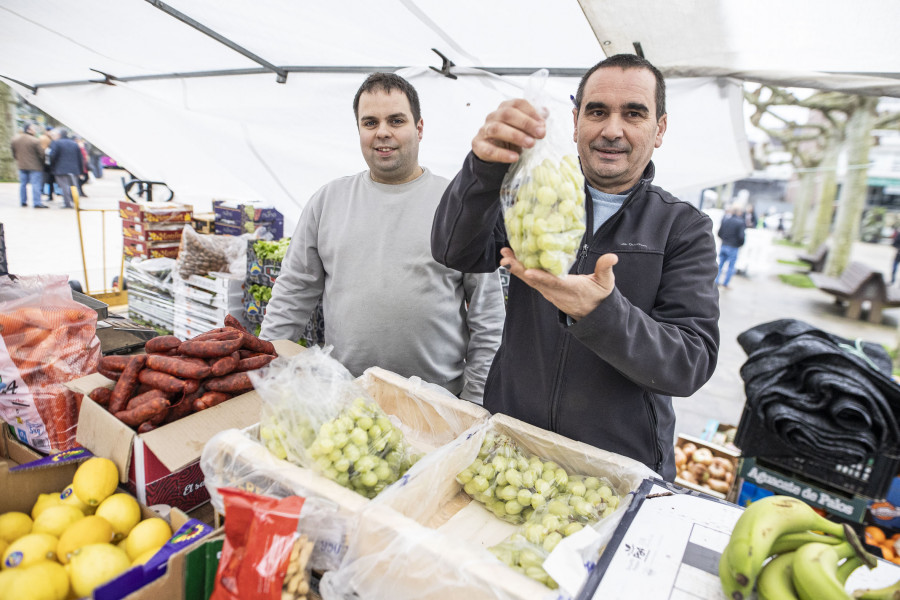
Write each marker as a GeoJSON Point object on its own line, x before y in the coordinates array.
{"type": "Point", "coordinates": [238, 213]}
{"type": "Point", "coordinates": [718, 452]}
{"type": "Point", "coordinates": [162, 466]}
{"type": "Point", "coordinates": [152, 232]}
{"type": "Point", "coordinates": [155, 212]}
{"type": "Point", "coordinates": [847, 508]}
{"type": "Point", "coordinates": [433, 419]}
{"type": "Point", "coordinates": [204, 223]}
{"type": "Point", "coordinates": [428, 538]}
{"type": "Point", "coordinates": [132, 247]}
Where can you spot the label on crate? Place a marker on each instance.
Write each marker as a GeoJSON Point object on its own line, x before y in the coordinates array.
{"type": "Point", "coordinates": [851, 509]}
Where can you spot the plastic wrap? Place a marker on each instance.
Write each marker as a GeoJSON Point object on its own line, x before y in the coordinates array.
{"type": "Point", "coordinates": [543, 192]}
{"type": "Point", "coordinates": [48, 339]}
{"type": "Point", "coordinates": [317, 416]}
{"type": "Point", "coordinates": [236, 459]}
{"type": "Point", "coordinates": [425, 538]}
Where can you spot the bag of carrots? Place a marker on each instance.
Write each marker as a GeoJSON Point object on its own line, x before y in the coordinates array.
{"type": "Point", "coordinates": [46, 340]}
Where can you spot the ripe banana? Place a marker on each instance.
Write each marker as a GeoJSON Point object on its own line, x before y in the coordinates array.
{"type": "Point", "coordinates": [757, 530]}
{"type": "Point", "coordinates": [847, 567]}
{"type": "Point", "coordinates": [775, 581]}
{"type": "Point", "coordinates": [729, 585]}
{"type": "Point", "coordinates": [891, 592]}
{"type": "Point", "coordinates": [815, 569]}
{"type": "Point", "coordinates": [791, 541]}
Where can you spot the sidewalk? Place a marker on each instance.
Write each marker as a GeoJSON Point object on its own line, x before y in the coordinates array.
{"type": "Point", "coordinates": [46, 241]}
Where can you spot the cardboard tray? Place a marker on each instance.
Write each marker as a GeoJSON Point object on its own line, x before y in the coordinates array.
{"type": "Point", "coordinates": [176, 444]}
{"type": "Point", "coordinates": [395, 394]}
{"type": "Point", "coordinates": [439, 534]}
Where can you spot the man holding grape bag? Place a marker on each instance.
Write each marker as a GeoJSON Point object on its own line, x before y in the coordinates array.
{"type": "Point", "coordinates": [595, 354]}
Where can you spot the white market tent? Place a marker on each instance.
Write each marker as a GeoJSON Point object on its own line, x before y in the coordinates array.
{"type": "Point", "coordinates": [252, 100]}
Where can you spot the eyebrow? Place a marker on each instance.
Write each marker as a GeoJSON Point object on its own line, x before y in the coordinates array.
{"type": "Point", "coordinates": [629, 106]}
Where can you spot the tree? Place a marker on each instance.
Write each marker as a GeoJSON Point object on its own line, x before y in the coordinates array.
{"type": "Point", "coordinates": [8, 170]}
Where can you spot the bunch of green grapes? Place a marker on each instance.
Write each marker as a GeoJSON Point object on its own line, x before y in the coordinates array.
{"type": "Point", "coordinates": [524, 557]}
{"type": "Point", "coordinates": [361, 449]}
{"type": "Point", "coordinates": [285, 433]}
{"type": "Point", "coordinates": [515, 486]}
{"type": "Point", "coordinates": [545, 224]}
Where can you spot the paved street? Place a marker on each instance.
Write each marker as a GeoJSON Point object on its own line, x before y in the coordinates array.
{"type": "Point", "coordinates": [47, 241]}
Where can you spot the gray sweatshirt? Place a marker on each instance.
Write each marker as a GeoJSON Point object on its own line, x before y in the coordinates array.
{"type": "Point", "coordinates": [365, 248]}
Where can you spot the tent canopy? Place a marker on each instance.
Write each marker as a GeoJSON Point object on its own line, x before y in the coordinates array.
{"type": "Point", "coordinates": [252, 100]}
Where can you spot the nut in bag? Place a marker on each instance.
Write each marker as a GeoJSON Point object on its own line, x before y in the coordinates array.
{"type": "Point", "coordinates": [543, 193]}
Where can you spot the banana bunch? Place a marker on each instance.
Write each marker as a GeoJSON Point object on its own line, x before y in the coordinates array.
{"type": "Point", "coordinates": [804, 565]}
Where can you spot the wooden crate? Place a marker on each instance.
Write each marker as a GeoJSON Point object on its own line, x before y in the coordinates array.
{"type": "Point", "coordinates": [718, 452]}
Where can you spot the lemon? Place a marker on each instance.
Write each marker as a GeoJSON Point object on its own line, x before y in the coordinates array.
{"type": "Point", "coordinates": [6, 578]}
{"type": "Point", "coordinates": [89, 530]}
{"type": "Point", "coordinates": [30, 549]}
{"type": "Point", "coordinates": [44, 502]}
{"type": "Point", "coordinates": [95, 480]}
{"type": "Point", "coordinates": [122, 511]}
{"type": "Point", "coordinates": [55, 519]}
{"type": "Point", "coordinates": [143, 558]}
{"type": "Point", "coordinates": [147, 535]}
{"type": "Point", "coordinates": [44, 580]}
{"type": "Point", "coordinates": [95, 564]}
{"type": "Point", "coordinates": [14, 525]}
{"type": "Point", "coordinates": [68, 497]}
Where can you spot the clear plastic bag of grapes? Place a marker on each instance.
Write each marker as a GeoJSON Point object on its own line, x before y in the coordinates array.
{"type": "Point", "coordinates": [543, 192]}
{"type": "Point", "coordinates": [525, 557]}
{"type": "Point", "coordinates": [316, 415]}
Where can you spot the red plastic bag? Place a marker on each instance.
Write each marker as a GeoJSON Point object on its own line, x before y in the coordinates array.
{"type": "Point", "coordinates": [46, 340]}
{"type": "Point", "coordinates": [261, 539]}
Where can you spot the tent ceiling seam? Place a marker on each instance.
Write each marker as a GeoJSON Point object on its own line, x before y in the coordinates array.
{"type": "Point", "coordinates": [176, 14]}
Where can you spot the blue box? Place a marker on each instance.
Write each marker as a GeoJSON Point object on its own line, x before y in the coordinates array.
{"type": "Point", "coordinates": [238, 213]}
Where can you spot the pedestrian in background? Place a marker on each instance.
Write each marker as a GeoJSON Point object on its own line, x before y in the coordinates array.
{"type": "Point", "coordinates": [29, 156]}
{"type": "Point", "coordinates": [895, 242]}
{"type": "Point", "coordinates": [731, 232]}
{"type": "Point", "coordinates": [66, 164]}
{"type": "Point", "coordinates": [46, 139]}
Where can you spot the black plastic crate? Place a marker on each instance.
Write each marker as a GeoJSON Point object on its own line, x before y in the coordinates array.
{"type": "Point", "coordinates": [263, 272]}
{"type": "Point", "coordinates": [254, 309]}
{"type": "Point", "coordinates": [871, 478]}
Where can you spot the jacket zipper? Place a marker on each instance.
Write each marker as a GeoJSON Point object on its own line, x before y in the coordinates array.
{"type": "Point", "coordinates": [654, 420]}
{"type": "Point", "coordinates": [557, 384]}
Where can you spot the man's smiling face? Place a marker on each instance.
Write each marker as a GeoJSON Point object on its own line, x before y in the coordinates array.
{"type": "Point", "coordinates": [388, 136]}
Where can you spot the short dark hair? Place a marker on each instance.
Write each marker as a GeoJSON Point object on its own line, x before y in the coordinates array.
{"type": "Point", "coordinates": [627, 61]}
{"type": "Point", "coordinates": [388, 82]}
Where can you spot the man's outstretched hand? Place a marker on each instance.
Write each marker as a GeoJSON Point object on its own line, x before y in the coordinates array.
{"type": "Point", "coordinates": [575, 295]}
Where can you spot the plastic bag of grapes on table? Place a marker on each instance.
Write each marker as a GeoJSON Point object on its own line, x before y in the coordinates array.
{"type": "Point", "coordinates": [317, 416]}
{"type": "Point", "coordinates": [543, 192]}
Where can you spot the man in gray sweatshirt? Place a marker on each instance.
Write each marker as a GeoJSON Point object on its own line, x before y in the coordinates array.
{"type": "Point", "coordinates": [363, 246]}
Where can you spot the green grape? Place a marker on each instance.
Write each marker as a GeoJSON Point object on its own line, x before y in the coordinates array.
{"type": "Point", "coordinates": [550, 542]}
{"type": "Point", "coordinates": [465, 476]}
{"type": "Point", "coordinates": [537, 501]}
{"type": "Point", "coordinates": [369, 479]}
{"type": "Point", "coordinates": [605, 492]}
{"type": "Point", "coordinates": [535, 533]}
{"type": "Point", "coordinates": [342, 465]}
{"type": "Point", "coordinates": [558, 508]}
{"type": "Point", "coordinates": [572, 528]}
{"type": "Point", "coordinates": [507, 492]}
{"type": "Point", "coordinates": [513, 507]}
{"type": "Point", "coordinates": [513, 477]}
{"type": "Point", "coordinates": [524, 497]}
{"type": "Point", "coordinates": [480, 483]}
{"type": "Point", "coordinates": [359, 436]}
{"type": "Point", "coordinates": [365, 422]}
{"type": "Point", "coordinates": [551, 522]}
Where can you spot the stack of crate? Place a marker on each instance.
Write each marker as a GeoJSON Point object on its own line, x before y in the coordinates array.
{"type": "Point", "coordinates": [238, 218]}
{"type": "Point", "coordinates": [152, 229]}
{"type": "Point", "coordinates": [201, 303]}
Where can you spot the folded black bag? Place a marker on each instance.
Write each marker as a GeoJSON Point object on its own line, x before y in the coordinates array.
{"type": "Point", "coordinates": [817, 395]}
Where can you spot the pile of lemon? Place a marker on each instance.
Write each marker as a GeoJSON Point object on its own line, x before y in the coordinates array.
{"type": "Point", "coordinates": [77, 539]}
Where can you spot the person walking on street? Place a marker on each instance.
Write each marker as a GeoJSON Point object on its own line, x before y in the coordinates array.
{"type": "Point", "coordinates": [66, 163]}
{"type": "Point", "coordinates": [597, 355]}
{"type": "Point", "coordinates": [731, 232]}
{"type": "Point", "coordinates": [46, 139]}
{"type": "Point", "coordinates": [895, 242]}
{"type": "Point", "coordinates": [362, 246]}
{"type": "Point", "coordinates": [29, 157]}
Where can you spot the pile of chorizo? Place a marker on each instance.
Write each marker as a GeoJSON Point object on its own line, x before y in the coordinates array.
{"type": "Point", "coordinates": [176, 378]}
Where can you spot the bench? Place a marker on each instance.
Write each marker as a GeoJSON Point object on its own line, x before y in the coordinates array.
{"type": "Point", "coordinates": [816, 260]}
{"type": "Point", "coordinates": [857, 284]}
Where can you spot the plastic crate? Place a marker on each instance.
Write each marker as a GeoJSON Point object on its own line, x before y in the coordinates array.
{"type": "Point", "coordinates": [263, 272]}
{"type": "Point", "coordinates": [871, 478]}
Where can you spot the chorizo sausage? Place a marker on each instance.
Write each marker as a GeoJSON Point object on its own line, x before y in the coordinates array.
{"type": "Point", "coordinates": [146, 427]}
{"type": "Point", "coordinates": [143, 412]}
{"type": "Point", "coordinates": [112, 375]}
{"type": "Point", "coordinates": [177, 367]}
{"type": "Point", "coordinates": [215, 334]}
{"type": "Point", "coordinates": [235, 383]}
{"type": "Point", "coordinates": [210, 399]}
{"type": "Point", "coordinates": [161, 344]}
{"type": "Point", "coordinates": [145, 397]}
{"type": "Point", "coordinates": [231, 321]}
{"type": "Point", "coordinates": [127, 383]}
{"type": "Point", "coordinates": [254, 362]}
{"type": "Point", "coordinates": [183, 407]}
{"type": "Point", "coordinates": [114, 363]}
{"type": "Point", "coordinates": [212, 348]}
{"type": "Point", "coordinates": [224, 365]}
{"type": "Point", "coordinates": [254, 344]}
{"type": "Point", "coordinates": [101, 395]}
{"type": "Point", "coordinates": [191, 386]}
{"type": "Point", "coordinates": [162, 381]}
